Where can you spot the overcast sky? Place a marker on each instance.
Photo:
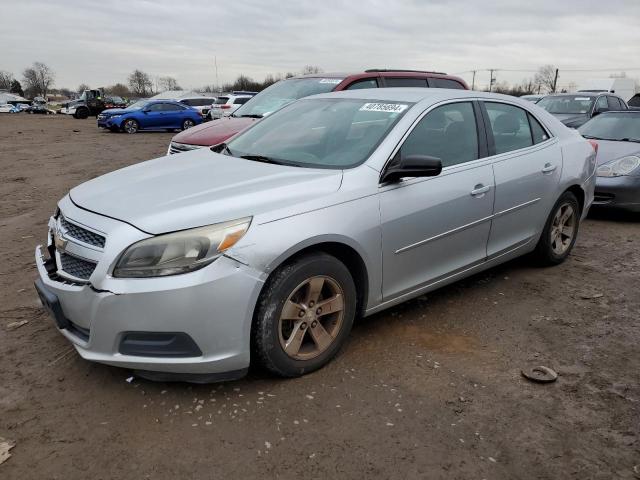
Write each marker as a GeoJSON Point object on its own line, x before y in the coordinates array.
{"type": "Point", "coordinates": [101, 42]}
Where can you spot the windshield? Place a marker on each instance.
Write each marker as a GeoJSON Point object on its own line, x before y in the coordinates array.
{"type": "Point", "coordinates": [322, 133]}
{"type": "Point", "coordinates": [283, 92]}
{"type": "Point", "coordinates": [140, 104]}
{"type": "Point", "coordinates": [567, 104]}
{"type": "Point", "coordinates": [613, 126]}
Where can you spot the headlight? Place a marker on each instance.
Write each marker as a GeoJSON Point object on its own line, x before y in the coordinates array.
{"type": "Point", "coordinates": [620, 167]}
{"type": "Point", "coordinates": [179, 252]}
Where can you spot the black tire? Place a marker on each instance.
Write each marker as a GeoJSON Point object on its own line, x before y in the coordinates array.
{"type": "Point", "coordinates": [266, 330]}
{"type": "Point", "coordinates": [188, 123]}
{"type": "Point", "coordinates": [82, 113]}
{"type": "Point", "coordinates": [545, 253]}
{"type": "Point", "coordinates": [130, 125]}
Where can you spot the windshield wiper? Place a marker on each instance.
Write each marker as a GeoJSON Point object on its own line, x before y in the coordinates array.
{"type": "Point", "coordinates": [262, 158]}
{"type": "Point", "coordinates": [253, 115]}
{"type": "Point", "coordinates": [589, 137]}
{"type": "Point", "coordinates": [635, 140]}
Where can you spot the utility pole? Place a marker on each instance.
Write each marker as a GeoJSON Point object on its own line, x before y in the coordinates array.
{"type": "Point", "coordinates": [555, 81]}
{"type": "Point", "coordinates": [491, 79]}
{"type": "Point", "coordinates": [473, 82]}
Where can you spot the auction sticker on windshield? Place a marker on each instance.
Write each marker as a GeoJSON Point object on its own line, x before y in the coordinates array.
{"type": "Point", "coordinates": [384, 107]}
{"type": "Point", "coordinates": [333, 81]}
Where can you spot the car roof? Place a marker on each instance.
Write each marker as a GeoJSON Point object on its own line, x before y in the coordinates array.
{"type": "Point", "coordinates": [577, 94]}
{"type": "Point", "coordinates": [410, 94]}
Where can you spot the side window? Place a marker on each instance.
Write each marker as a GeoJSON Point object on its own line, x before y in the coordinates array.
{"type": "Point", "coordinates": [156, 107]}
{"type": "Point", "coordinates": [171, 107]}
{"type": "Point", "coordinates": [364, 83]}
{"type": "Point", "coordinates": [614, 104]}
{"type": "Point", "coordinates": [510, 127]}
{"type": "Point", "coordinates": [187, 102]}
{"type": "Point", "coordinates": [444, 83]}
{"type": "Point", "coordinates": [392, 82]}
{"type": "Point", "coordinates": [602, 105]}
{"type": "Point", "coordinates": [448, 132]}
{"type": "Point", "coordinates": [537, 132]}
{"type": "Point", "coordinates": [240, 101]}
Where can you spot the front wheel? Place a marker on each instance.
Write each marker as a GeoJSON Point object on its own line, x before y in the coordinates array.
{"type": "Point", "coordinates": [560, 231]}
{"type": "Point", "coordinates": [130, 125]}
{"type": "Point", "coordinates": [304, 315]}
{"type": "Point", "coordinates": [188, 123]}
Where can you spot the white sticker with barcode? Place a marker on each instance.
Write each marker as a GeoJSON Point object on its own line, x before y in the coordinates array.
{"type": "Point", "coordinates": [384, 107]}
{"type": "Point", "coordinates": [581, 99]}
{"type": "Point", "coordinates": [333, 81]}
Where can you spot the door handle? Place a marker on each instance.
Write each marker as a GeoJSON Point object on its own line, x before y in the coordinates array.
{"type": "Point", "coordinates": [548, 168]}
{"type": "Point", "coordinates": [479, 190]}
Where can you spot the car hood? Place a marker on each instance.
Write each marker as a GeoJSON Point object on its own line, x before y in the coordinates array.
{"type": "Point", "coordinates": [571, 118]}
{"type": "Point", "coordinates": [610, 150]}
{"type": "Point", "coordinates": [201, 188]}
{"type": "Point", "coordinates": [116, 111]}
{"type": "Point", "coordinates": [214, 132]}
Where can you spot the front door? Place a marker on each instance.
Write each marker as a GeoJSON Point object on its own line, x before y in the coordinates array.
{"type": "Point", "coordinates": [435, 227]}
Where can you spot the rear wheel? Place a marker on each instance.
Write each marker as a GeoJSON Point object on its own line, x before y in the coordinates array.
{"type": "Point", "coordinates": [130, 125]}
{"type": "Point", "coordinates": [560, 231]}
{"type": "Point", "coordinates": [188, 123]}
{"type": "Point", "coordinates": [304, 315]}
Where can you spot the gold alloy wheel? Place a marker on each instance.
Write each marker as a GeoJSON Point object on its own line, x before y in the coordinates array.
{"type": "Point", "coordinates": [311, 318]}
{"type": "Point", "coordinates": [563, 229]}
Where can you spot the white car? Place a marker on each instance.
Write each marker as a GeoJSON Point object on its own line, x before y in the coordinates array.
{"type": "Point", "coordinates": [227, 104]}
{"type": "Point", "coordinates": [202, 104]}
{"type": "Point", "coordinates": [7, 108]}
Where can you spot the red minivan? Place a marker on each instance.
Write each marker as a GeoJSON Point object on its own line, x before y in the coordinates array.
{"type": "Point", "coordinates": [286, 91]}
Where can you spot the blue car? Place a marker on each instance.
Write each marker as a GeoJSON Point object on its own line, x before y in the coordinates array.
{"type": "Point", "coordinates": [150, 115]}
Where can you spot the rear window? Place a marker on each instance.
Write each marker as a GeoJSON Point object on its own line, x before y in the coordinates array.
{"type": "Point", "coordinates": [444, 83]}
{"type": "Point", "coordinates": [241, 101]}
{"type": "Point", "coordinates": [221, 100]}
{"type": "Point", "coordinates": [198, 102]}
{"type": "Point", "coordinates": [391, 82]}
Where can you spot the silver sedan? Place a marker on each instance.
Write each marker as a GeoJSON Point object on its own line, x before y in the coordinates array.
{"type": "Point", "coordinates": [341, 205]}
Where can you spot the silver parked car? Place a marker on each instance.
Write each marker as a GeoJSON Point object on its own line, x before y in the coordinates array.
{"type": "Point", "coordinates": [336, 206]}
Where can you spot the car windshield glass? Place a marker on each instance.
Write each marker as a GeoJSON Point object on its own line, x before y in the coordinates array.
{"type": "Point", "coordinates": [323, 133]}
{"type": "Point", "coordinates": [613, 126]}
{"type": "Point", "coordinates": [567, 104]}
{"type": "Point", "coordinates": [140, 104]}
{"type": "Point", "coordinates": [283, 92]}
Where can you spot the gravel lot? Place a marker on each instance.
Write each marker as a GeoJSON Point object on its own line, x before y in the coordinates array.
{"type": "Point", "coordinates": [430, 389]}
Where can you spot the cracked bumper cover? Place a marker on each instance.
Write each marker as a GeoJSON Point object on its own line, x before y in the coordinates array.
{"type": "Point", "coordinates": [214, 306]}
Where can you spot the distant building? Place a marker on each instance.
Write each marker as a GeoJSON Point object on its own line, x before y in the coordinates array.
{"type": "Point", "coordinates": [6, 97]}
{"type": "Point", "coordinates": [177, 95]}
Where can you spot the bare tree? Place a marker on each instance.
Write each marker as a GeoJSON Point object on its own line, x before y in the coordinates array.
{"type": "Point", "coordinates": [308, 69]}
{"type": "Point", "coordinates": [6, 79]}
{"type": "Point", "coordinates": [119, 89]}
{"type": "Point", "coordinates": [168, 83]}
{"type": "Point", "coordinates": [38, 78]}
{"type": "Point", "coordinates": [546, 78]}
{"type": "Point", "coordinates": [82, 87]}
{"type": "Point", "coordinates": [140, 83]}
{"type": "Point", "coordinates": [16, 88]}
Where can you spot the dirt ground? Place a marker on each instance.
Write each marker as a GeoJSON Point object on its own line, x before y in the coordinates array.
{"type": "Point", "coordinates": [430, 389]}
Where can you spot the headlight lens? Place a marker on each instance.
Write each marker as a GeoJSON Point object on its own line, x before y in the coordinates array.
{"type": "Point", "coordinates": [620, 167]}
{"type": "Point", "coordinates": [179, 252]}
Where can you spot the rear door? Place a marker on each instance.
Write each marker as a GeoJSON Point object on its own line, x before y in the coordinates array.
{"type": "Point", "coordinates": [433, 228]}
{"type": "Point", "coordinates": [527, 164]}
{"type": "Point", "coordinates": [173, 115]}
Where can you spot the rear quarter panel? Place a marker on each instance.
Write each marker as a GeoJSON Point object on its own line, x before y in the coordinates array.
{"type": "Point", "coordinates": [579, 166]}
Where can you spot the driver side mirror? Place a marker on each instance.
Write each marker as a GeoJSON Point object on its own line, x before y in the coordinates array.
{"type": "Point", "coordinates": [413, 166]}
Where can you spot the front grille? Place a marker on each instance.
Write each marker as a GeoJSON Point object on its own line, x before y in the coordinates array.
{"type": "Point", "coordinates": [76, 267]}
{"type": "Point", "coordinates": [74, 231]}
{"type": "Point", "coordinates": [182, 147]}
